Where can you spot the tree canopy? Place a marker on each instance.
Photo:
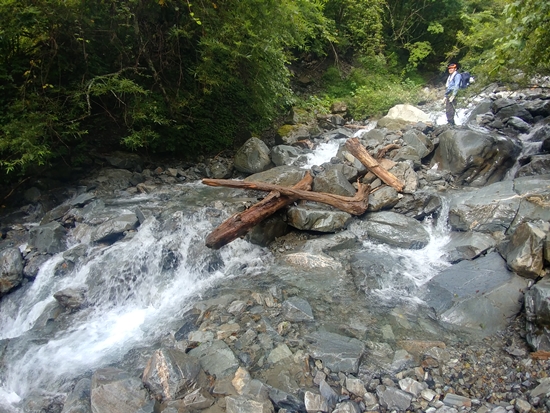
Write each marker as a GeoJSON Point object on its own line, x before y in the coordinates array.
{"type": "Point", "coordinates": [188, 78]}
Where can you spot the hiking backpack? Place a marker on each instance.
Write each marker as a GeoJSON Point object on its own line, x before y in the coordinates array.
{"type": "Point", "coordinates": [464, 80]}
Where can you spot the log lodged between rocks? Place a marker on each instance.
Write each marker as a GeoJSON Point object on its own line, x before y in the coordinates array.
{"type": "Point", "coordinates": [280, 196]}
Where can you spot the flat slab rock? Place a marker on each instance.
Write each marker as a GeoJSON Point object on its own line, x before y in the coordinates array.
{"type": "Point", "coordinates": [338, 353]}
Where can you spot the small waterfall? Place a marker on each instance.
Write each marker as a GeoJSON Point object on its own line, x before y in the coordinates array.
{"type": "Point", "coordinates": [414, 268]}
{"type": "Point", "coordinates": [133, 286]}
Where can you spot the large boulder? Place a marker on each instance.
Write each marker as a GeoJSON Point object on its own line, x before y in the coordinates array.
{"type": "Point", "coordinates": [305, 217]}
{"type": "Point", "coordinates": [401, 115]}
{"type": "Point", "coordinates": [475, 158]}
{"type": "Point", "coordinates": [392, 229]}
{"type": "Point", "coordinates": [481, 295]}
{"type": "Point", "coordinates": [253, 157]}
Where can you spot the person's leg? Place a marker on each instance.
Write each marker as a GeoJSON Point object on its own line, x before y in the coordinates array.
{"type": "Point", "coordinates": [450, 111]}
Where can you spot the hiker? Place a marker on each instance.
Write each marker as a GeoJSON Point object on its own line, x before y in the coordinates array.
{"type": "Point", "coordinates": [452, 86]}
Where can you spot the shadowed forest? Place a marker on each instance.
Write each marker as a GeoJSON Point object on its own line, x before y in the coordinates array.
{"type": "Point", "coordinates": [185, 78]}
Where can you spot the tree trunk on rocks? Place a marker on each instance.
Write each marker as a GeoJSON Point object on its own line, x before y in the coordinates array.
{"type": "Point", "coordinates": [359, 151]}
{"type": "Point", "coordinates": [239, 224]}
{"type": "Point", "coordinates": [356, 205]}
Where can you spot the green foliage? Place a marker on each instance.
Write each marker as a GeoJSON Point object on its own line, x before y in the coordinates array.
{"type": "Point", "coordinates": [370, 89]}
{"type": "Point", "coordinates": [358, 25]}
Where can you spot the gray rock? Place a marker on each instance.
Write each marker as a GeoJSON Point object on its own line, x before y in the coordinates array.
{"type": "Point", "coordinates": [32, 195]}
{"type": "Point", "coordinates": [384, 198]}
{"type": "Point", "coordinates": [338, 353]}
{"type": "Point", "coordinates": [538, 165]}
{"type": "Point", "coordinates": [489, 209]}
{"type": "Point", "coordinates": [537, 310]}
{"type": "Point", "coordinates": [481, 295]}
{"type": "Point", "coordinates": [314, 219]}
{"type": "Point", "coordinates": [71, 298]}
{"type": "Point", "coordinates": [242, 404]}
{"type": "Point", "coordinates": [420, 142]}
{"type": "Point", "coordinates": [289, 134]}
{"type": "Point", "coordinates": [393, 398]}
{"type": "Point", "coordinates": [116, 391]}
{"type": "Point", "coordinates": [280, 175]}
{"type": "Point", "coordinates": [253, 157]}
{"type": "Point", "coordinates": [284, 155]}
{"type": "Point", "coordinates": [11, 266]}
{"type": "Point", "coordinates": [216, 358]}
{"type": "Point", "coordinates": [467, 245]}
{"type": "Point", "coordinates": [404, 171]}
{"type": "Point", "coordinates": [49, 238]}
{"type": "Point", "coordinates": [297, 309]}
{"type": "Point", "coordinates": [347, 407]}
{"type": "Point", "coordinates": [333, 181]}
{"type": "Point", "coordinates": [169, 373]}
{"type": "Point", "coordinates": [392, 229]}
{"type": "Point", "coordinates": [33, 264]}
{"type": "Point", "coordinates": [115, 227]}
{"type": "Point", "coordinates": [524, 251]}
{"type": "Point", "coordinates": [315, 403]}
{"type": "Point", "coordinates": [78, 400]}
{"type": "Point", "coordinates": [475, 158]}
{"type": "Point", "coordinates": [418, 205]}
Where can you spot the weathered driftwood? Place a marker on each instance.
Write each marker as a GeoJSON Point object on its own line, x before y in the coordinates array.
{"type": "Point", "coordinates": [382, 152]}
{"type": "Point", "coordinates": [239, 224]}
{"type": "Point", "coordinates": [356, 205]}
{"type": "Point", "coordinates": [359, 151]}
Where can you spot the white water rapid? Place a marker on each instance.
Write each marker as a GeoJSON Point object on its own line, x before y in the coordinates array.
{"type": "Point", "coordinates": [136, 289]}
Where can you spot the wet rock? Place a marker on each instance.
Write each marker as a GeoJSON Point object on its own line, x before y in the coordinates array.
{"type": "Point", "coordinates": [285, 155]}
{"type": "Point", "coordinates": [220, 168]}
{"type": "Point", "coordinates": [489, 209]}
{"type": "Point", "coordinates": [467, 245]}
{"type": "Point", "coordinates": [114, 228]}
{"type": "Point", "coordinates": [384, 198]}
{"type": "Point", "coordinates": [418, 205]}
{"type": "Point", "coordinates": [71, 298]}
{"type": "Point", "coordinates": [310, 218]}
{"type": "Point", "coordinates": [297, 309]}
{"type": "Point", "coordinates": [48, 238]}
{"type": "Point", "coordinates": [537, 165]}
{"type": "Point", "coordinates": [11, 266]}
{"type": "Point", "coordinates": [253, 157]}
{"type": "Point", "coordinates": [268, 230]}
{"type": "Point", "coordinates": [78, 400]}
{"type": "Point", "coordinates": [481, 295]}
{"type": "Point", "coordinates": [115, 391]}
{"type": "Point", "coordinates": [474, 158]}
{"type": "Point", "coordinates": [33, 264]}
{"type": "Point", "coordinates": [392, 229]}
{"type": "Point", "coordinates": [338, 353]}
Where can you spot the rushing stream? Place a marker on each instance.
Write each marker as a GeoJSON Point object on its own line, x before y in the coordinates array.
{"type": "Point", "coordinates": [140, 287]}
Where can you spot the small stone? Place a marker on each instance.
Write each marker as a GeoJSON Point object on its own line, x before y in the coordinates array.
{"type": "Point", "coordinates": [456, 400]}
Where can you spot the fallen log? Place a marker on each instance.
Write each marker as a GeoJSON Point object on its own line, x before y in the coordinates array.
{"type": "Point", "coordinates": [239, 224]}
{"type": "Point", "coordinates": [356, 205]}
{"type": "Point", "coordinates": [359, 151]}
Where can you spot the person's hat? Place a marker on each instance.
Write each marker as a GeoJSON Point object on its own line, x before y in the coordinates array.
{"type": "Point", "coordinates": [452, 66]}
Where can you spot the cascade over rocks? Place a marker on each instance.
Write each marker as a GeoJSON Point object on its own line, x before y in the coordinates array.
{"type": "Point", "coordinates": [299, 336]}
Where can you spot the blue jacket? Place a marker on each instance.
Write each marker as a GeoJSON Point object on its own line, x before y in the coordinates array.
{"type": "Point", "coordinates": [453, 84]}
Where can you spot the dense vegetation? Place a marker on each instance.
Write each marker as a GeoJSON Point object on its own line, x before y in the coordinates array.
{"type": "Point", "coordinates": [182, 77]}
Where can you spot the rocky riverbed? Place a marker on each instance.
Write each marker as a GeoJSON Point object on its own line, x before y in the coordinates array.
{"type": "Point", "coordinates": [434, 300]}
